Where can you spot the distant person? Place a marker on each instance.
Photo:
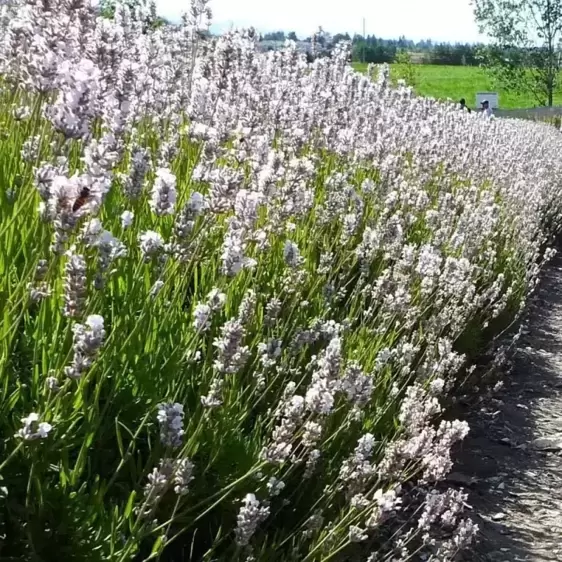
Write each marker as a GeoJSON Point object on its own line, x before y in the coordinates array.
{"type": "Point", "coordinates": [487, 109]}
{"type": "Point", "coordinates": [463, 105]}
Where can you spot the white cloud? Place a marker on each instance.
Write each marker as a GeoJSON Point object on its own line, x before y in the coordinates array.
{"type": "Point", "coordinates": [446, 20]}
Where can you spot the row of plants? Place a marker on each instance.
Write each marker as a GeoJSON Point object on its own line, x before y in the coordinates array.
{"type": "Point", "coordinates": [236, 289]}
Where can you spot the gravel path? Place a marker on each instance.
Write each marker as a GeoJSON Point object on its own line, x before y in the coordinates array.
{"type": "Point", "coordinates": [511, 462]}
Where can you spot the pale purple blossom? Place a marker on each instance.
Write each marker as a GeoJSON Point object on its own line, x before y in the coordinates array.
{"type": "Point", "coordinates": [34, 429]}
{"type": "Point", "coordinates": [87, 341]}
{"type": "Point", "coordinates": [164, 193]}
{"type": "Point", "coordinates": [170, 418]}
{"type": "Point", "coordinates": [251, 514]}
{"type": "Point", "coordinates": [151, 243]}
{"type": "Point", "coordinates": [127, 218]}
{"type": "Point", "coordinates": [291, 254]}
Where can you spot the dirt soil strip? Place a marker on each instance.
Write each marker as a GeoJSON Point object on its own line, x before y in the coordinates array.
{"type": "Point", "coordinates": [511, 462]}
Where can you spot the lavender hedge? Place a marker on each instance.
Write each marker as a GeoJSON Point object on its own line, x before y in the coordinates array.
{"type": "Point", "coordinates": [236, 289]}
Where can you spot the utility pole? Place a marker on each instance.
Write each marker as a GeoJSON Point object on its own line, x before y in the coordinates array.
{"type": "Point", "coordinates": [364, 43]}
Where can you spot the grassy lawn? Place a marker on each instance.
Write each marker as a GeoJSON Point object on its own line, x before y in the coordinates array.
{"type": "Point", "coordinates": [458, 82]}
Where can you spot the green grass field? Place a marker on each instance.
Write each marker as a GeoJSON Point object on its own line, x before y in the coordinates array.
{"type": "Point", "coordinates": [456, 82]}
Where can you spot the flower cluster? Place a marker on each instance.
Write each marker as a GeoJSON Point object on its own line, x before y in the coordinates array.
{"type": "Point", "coordinates": [88, 339]}
{"type": "Point", "coordinates": [176, 474]}
{"type": "Point", "coordinates": [251, 514]}
{"type": "Point", "coordinates": [170, 418]}
{"type": "Point", "coordinates": [33, 428]}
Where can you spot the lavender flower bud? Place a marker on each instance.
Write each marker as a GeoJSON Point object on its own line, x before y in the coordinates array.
{"type": "Point", "coordinates": [292, 255]}
{"type": "Point", "coordinates": [75, 290]}
{"type": "Point", "coordinates": [151, 244]}
{"type": "Point", "coordinates": [127, 218]}
{"type": "Point", "coordinates": [33, 429]}
{"type": "Point", "coordinates": [213, 399]}
{"type": "Point", "coordinates": [164, 194]}
{"type": "Point", "coordinates": [232, 355]}
{"type": "Point", "coordinates": [251, 514]}
{"type": "Point", "coordinates": [88, 339]}
{"type": "Point", "coordinates": [275, 486]}
{"type": "Point", "coordinates": [183, 475]}
{"type": "Point", "coordinates": [140, 164]}
{"type": "Point", "coordinates": [170, 418]}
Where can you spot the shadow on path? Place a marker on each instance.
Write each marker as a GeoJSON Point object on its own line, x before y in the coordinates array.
{"type": "Point", "coordinates": [511, 462]}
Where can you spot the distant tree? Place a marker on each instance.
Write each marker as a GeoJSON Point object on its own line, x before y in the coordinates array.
{"type": "Point", "coordinates": [405, 69]}
{"type": "Point", "coordinates": [292, 36]}
{"type": "Point", "coordinates": [456, 55]}
{"type": "Point", "coordinates": [404, 43]}
{"type": "Point", "coordinates": [525, 54]}
{"type": "Point", "coordinates": [274, 36]}
{"type": "Point", "coordinates": [339, 37]}
{"type": "Point", "coordinates": [425, 45]}
{"type": "Point", "coordinates": [373, 50]}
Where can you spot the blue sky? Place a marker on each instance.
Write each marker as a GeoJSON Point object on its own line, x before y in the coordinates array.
{"type": "Point", "coordinates": [444, 20]}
